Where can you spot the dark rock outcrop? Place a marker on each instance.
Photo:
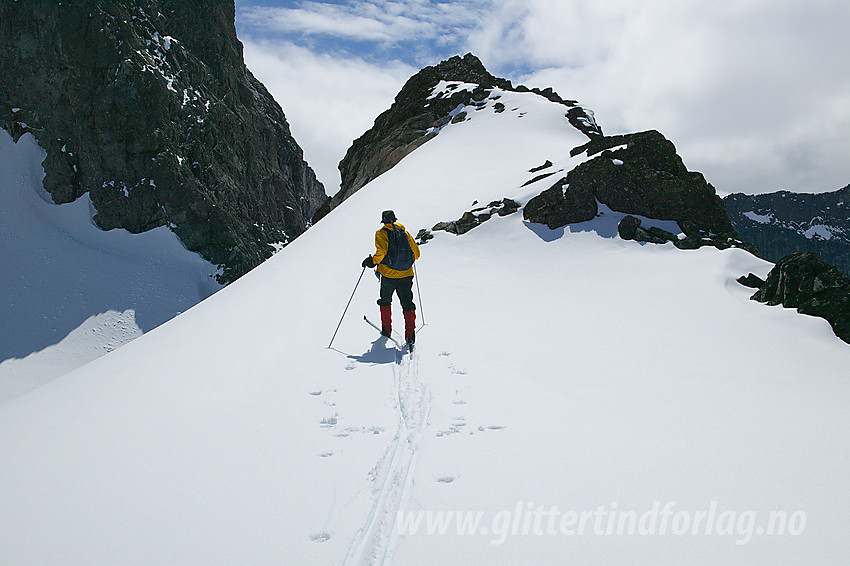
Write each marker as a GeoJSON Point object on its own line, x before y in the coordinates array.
{"type": "Point", "coordinates": [644, 176]}
{"type": "Point", "coordinates": [630, 228]}
{"type": "Point", "coordinates": [416, 117]}
{"type": "Point", "coordinates": [147, 106]}
{"type": "Point", "coordinates": [751, 280]}
{"type": "Point", "coordinates": [804, 281]}
{"type": "Point", "coordinates": [423, 236]}
{"type": "Point", "coordinates": [545, 165]}
{"type": "Point", "coordinates": [783, 222]}
{"type": "Point", "coordinates": [476, 216]}
{"type": "Point", "coordinates": [558, 206]}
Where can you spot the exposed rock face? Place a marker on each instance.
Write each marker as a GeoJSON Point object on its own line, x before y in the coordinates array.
{"type": "Point", "coordinates": [415, 116]}
{"type": "Point", "coordinates": [558, 206]}
{"type": "Point", "coordinates": [477, 216]}
{"type": "Point", "coordinates": [147, 106]}
{"type": "Point", "coordinates": [806, 282]}
{"type": "Point", "coordinates": [644, 176]}
{"type": "Point", "coordinates": [630, 228]}
{"type": "Point", "coordinates": [751, 280]}
{"type": "Point", "coordinates": [782, 223]}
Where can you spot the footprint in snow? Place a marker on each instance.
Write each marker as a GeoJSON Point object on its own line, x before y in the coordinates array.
{"type": "Point", "coordinates": [446, 479]}
{"type": "Point", "coordinates": [321, 537]}
{"type": "Point", "coordinates": [458, 424]}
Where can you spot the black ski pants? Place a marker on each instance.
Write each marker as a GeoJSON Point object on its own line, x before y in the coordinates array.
{"type": "Point", "coordinates": [402, 286]}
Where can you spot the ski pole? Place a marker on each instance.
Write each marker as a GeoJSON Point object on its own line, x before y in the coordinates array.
{"type": "Point", "coordinates": [419, 293]}
{"type": "Point", "coordinates": [346, 306]}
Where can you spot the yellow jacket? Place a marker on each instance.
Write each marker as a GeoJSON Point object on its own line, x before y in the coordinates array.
{"type": "Point", "coordinates": [381, 245]}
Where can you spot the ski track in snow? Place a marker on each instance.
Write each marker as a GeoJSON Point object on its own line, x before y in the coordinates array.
{"type": "Point", "coordinates": [374, 544]}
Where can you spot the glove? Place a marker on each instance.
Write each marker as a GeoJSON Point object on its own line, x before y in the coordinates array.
{"type": "Point", "coordinates": [368, 262]}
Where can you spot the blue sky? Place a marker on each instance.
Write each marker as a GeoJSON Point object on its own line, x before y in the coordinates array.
{"type": "Point", "coordinates": [754, 93]}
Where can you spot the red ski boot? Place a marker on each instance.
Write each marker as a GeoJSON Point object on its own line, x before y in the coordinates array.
{"type": "Point", "coordinates": [410, 327]}
{"type": "Point", "coordinates": [386, 320]}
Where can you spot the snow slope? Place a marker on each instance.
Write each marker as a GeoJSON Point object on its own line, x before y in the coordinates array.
{"type": "Point", "coordinates": [70, 292]}
{"type": "Point", "coordinates": [558, 373]}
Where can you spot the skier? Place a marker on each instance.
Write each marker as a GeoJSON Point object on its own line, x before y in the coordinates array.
{"type": "Point", "coordinates": [396, 250]}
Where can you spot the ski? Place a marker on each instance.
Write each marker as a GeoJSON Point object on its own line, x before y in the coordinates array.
{"type": "Point", "coordinates": [378, 328]}
{"type": "Point", "coordinates": [398, 344]}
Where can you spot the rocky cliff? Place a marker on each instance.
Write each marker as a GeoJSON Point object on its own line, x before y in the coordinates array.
{"type": "Point", "coordinates": [782, 223]}
{"type": "Point", "coordinates": [147, 106]}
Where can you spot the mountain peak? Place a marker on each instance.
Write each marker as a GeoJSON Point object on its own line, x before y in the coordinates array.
{"type": "Point", "coordinates": [419, 111]}
{"type": "Point", "coordinates": [468, 68]}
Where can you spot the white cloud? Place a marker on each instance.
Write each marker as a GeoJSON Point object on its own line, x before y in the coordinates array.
{"type": "Point", "coordinates": [755, 94]}
{"type": "Point", "coordinates": [328, 19]}
{"type": "Point", "coordinates": [382, 21]}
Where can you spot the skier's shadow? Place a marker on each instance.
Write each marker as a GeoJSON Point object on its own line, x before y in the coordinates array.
{"type": "Point", "coordinates": [382, 352]}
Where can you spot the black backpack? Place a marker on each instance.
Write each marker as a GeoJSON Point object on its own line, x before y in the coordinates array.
{"type": "Point", "coordinates": [399, 255]}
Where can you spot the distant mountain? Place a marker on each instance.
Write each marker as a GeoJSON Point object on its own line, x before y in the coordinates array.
{"type": "Point", "coordinates": [782, 223]}
{"type": "Point", "coordinates": [147, 106]}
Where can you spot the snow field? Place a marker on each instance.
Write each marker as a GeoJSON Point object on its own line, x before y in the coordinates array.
{"type": "Point", "coordinates": [70, 292]}
{"type": "Point", "coordinates": [563, 369]}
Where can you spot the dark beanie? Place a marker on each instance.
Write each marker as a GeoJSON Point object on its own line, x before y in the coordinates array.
{"type": "Point", "coordinates": [388, 217]}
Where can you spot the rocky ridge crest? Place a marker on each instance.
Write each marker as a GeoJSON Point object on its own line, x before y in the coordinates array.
{"type": "Point", "coordinates": [416, 116]}
{"type": "Point", "coordinates": [638, 174]}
